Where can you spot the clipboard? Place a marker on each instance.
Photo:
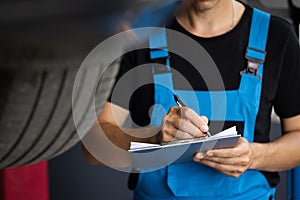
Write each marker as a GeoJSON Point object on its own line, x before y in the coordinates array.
{"type": "Point", "coordinates": [145, 156]}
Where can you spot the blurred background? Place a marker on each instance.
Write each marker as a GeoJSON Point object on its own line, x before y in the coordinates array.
{"type": "Point", "coordinates": [42, 45]}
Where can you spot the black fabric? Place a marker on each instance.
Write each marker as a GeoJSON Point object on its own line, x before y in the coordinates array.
{"type": "Point", "coordinates": [132, 181]}
{"type": "Point", "coordinates": [281, 81]}
{"type": "Point", "coordinates": [216, 126]}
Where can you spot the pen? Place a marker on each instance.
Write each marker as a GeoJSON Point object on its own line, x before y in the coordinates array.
{"type": "Point", "coordinates": [181, 104]}
{"type": "Point", "coordinates": [178, 101]}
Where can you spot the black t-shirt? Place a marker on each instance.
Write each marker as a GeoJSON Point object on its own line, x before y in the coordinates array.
{"type": "Point", "coordinates": [281, 79]}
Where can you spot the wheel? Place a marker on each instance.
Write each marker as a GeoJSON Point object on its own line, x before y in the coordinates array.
{"type": "Point", "coordinates": [36, 120]}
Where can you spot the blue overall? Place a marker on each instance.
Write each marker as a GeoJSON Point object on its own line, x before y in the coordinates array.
{"type": "Point", "coordinates": [194, 180]}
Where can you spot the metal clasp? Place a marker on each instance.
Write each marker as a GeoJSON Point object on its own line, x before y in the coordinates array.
{"type": "Point", "coordinates": [161, 65]}
{"type": "Point", "coordinates": [255, 58]}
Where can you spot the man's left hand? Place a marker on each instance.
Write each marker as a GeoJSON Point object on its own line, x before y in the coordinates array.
{"type": "Point", "coordinates": [231, 161]}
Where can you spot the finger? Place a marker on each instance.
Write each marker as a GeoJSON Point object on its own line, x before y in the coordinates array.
{"type": "Point", "coordinates": [179, 134]}
{"type": "Point", "coordinates": [239, 161]}
{"type": "Point", "coordinates": [224, 153]}
{"type": "Point", "coordinates": [231, 170]}
{"type": "Point", "coordinates": [176, 110]}
{"type": "Point", "coordinates": [198, 121]}
{"type": "Point", "coordinates": [166, 137]}
{"type": "Point", "coordinates": [190, 128]}
{"type": "Point", "coordinates": [242, 148]}
{"type": "Point", "coordinates": [171, 124]}
{"type": "Point", "coordinates": [204, 119]}
{"type": "Point", "coordinates": [232, 174]}
{"type": "Point", "coordinates": [171, 133]}
{"type": "Point", "coordinates": [167, 132]}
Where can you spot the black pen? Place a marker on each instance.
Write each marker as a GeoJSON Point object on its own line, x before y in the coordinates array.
{"type": "Point", "coordinates": [181, 104]}
{"type": "Point", "coordinates": [178, 101]}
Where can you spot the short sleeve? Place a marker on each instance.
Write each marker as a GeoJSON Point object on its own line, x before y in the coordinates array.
{"type": "Point", "coordinates": [287, 100]}
{"type": "Point", "coordinates": [125, 64]}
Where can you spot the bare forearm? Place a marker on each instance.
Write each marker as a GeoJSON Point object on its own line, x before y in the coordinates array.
{"type": "Point", "coordinates": [278, 155]}
{"type": "Point", "coordinates": [119, 138]}
{"type": "Point", "coordinates": [123, 136]}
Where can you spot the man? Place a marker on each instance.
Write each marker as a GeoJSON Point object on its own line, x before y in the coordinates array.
{"type": "Point", "coordinates": [247, 171]}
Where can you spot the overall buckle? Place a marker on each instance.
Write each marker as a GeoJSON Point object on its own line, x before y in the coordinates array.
{"type": "Point", "coordinates": [255, 58]}
{"type": "Point", "coordinates": [161, 65]}
{"type": "Point", "coordinates": [252, 67]}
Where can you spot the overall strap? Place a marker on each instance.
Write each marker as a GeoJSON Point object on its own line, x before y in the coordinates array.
{"type": "Point", "coordinates": [159, 55]}
{"type": "Point", "coordinates": [162, 76]}
{"type": "Point", "coordinates": [159, 50]}
{"type": "Point", "coordinates": [251, 82]}
{"type": "Point", "coordinates": [256, 53]}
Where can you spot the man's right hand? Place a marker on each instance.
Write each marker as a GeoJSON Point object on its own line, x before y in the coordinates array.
{"type": "Point", "coordinates": [182, 123]}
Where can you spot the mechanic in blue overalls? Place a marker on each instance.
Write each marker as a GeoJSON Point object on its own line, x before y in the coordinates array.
{"type": "Point", "coordinates": [233, 173]}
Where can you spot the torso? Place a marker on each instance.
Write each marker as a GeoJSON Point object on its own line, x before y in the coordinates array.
{"type": "Point", "coordinates": [228, 54]}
